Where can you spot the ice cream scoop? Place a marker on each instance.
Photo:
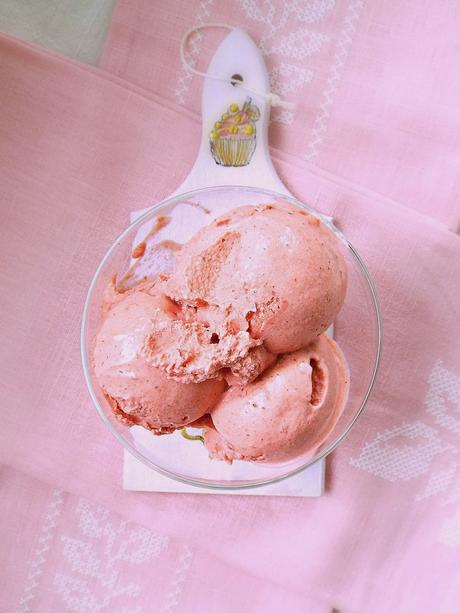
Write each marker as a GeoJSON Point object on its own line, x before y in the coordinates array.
{"type": "Point", "coordinates": [138, 392]}
{"type": "Point", "coordinates": [272, 270]}
{"type": "Point", "coordinates": [288, 411]}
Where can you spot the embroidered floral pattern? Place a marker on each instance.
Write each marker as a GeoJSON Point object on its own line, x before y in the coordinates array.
{"type": "Point", "coordinates": [97, 558]}
{"type": "Point", "coordinates": [410, 451]}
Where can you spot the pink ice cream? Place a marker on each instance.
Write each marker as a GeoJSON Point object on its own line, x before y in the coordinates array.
{"type": "Point", "coordinates": [246, 369]}
{"type": "Point", "coordinates": [273, 271]}
{"type": "Point", "coordinates": [230, 324]}
{"type": "Point", "coordinates": [140, 393]}
{"type": "Point", "coordinates": [289, 410]}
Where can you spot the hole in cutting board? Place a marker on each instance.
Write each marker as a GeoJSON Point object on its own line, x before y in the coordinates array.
{"type": "Point", "coordinates": [236, 78]}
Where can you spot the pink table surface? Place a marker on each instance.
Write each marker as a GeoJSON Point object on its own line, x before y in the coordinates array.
{"type": "Point", "coordinates": [80, 149]}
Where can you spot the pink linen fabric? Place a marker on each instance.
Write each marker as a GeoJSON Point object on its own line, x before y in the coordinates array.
{"type": "Point", "coordinates": [376, 83]}
{"type": "Point", "coordinates": [80, 149]}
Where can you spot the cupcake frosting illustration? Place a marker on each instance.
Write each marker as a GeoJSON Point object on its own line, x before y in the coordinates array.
{"type": "Point", "coordinates": [233, 137]}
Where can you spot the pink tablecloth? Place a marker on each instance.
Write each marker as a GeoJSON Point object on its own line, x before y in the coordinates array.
{"type": "Point", "coordinates": [79, 149]}
{"type": "Point", "coordinates": [376, 83]}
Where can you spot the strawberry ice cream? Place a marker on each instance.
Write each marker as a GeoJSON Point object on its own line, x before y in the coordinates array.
{"type": "Point", "coordinates": [273, 270]}
{"type": "Point", "coordinates": [138, 392]}
{"type": "Point", "coordinates": [230, 324]}
{"type": "Point", "coordinates": [287, 411]}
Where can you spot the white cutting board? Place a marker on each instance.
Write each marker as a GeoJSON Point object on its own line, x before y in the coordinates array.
{"type": "Point", "coordinates": [236, 55]}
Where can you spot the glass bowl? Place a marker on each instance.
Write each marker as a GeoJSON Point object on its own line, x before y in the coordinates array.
{"type": "Point", "coordinates": [188, 461]}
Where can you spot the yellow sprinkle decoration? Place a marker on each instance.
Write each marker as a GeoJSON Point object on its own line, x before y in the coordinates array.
{"type": "Point", "coordinates": [214, 134]}
{"type": "Point", "coordinates": [249, 130]}
{"type": "Point", "coordinates": [234, 108]}
{"type": "Point", "coordinates": [225, 116]}
{"type": "Point", "coordinates": [237, 118]}
{"type": "Point", "coordinates": [218, 125]}
{"type": "Point", "coordinates": [234, 129]}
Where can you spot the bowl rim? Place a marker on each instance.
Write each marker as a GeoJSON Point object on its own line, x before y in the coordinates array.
{"type": "Point", "coordinates": [237, 485]}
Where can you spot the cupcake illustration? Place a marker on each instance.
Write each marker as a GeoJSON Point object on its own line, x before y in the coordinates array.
{"type": "Point", "coordinates": [233, 137]}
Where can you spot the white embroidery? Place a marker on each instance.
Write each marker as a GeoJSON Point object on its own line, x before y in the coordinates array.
{"type": "Point", "coordinates": [180, 575]}
{"type": "Point", "coordinates": [335, 73]}
{"type": "Point", "coordinates": [296, 77]}
{"type": "Point", "coordinates": [402, 453]}
{"type": "Point", "coordinates": [313, 10]}
{"type": "Point", "coordinates": [40, 554]}
{"type": "Point", "coordinates": [122, 544]}
{"type": "Point", "coordinates": [439, 482]}
{"type": "Point", "coordinates": [454, 492]}
{"type": "Point", "coordinates": [296, 45]}
{"type": "Point", "coordinates": [444, 391]}
{"type": "Point", "coordinates": [412, 450]}
{"type": "Point", "coordinates": [284, 116]}
{"type": "Point", "coordinates": [449, 533]}
{"type": "Point", "coordinates": [277, 16]}
{"type": "Point", "coordinates": [203, 15]}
